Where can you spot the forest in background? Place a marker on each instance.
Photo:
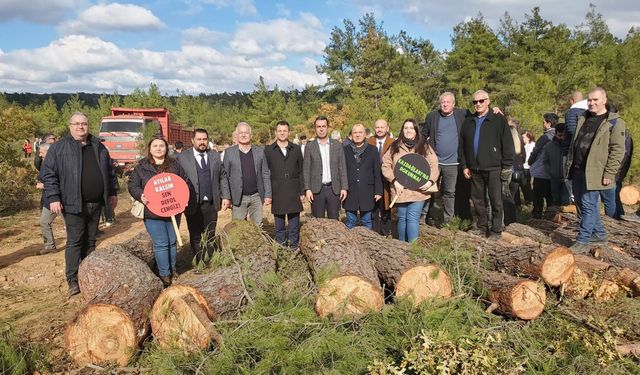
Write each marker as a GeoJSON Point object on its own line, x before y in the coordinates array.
{"type": "Point", "coordinates": [529, 67]}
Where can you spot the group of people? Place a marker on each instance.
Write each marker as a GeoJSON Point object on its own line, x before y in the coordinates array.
{"type": "Point", "coordinates": [477, 159]}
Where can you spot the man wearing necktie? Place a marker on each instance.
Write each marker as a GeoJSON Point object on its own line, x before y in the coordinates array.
{"type": "Point", "coordinates": [205, 171]}
{"type": "Point", "coordinates": [381, 214]}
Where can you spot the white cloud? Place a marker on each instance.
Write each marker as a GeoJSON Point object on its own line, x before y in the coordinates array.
{"type": "Point", "coordinates": [112, 17]}
{"type": "Point", "coordinates": [304, 35]}
{"type": "Point", "coordinates": [282, 10]}
{"type": "Point", "coordinates": [244, 7]}
{"type": "Point", "coordinates": [38, 11]}
{"type": "Point", "coordinates": [200, 36]}
{"type": "Point", "coordinates": [82, 63]}
{"type": "Point", "coordinates": [619, 14]}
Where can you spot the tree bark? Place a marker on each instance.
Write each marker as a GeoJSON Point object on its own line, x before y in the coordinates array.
{"type": "Point", "coordinates": [406, 275]}
{"type": "Point", "coordinates": [141, 246]}
{"type": "Point", "coordinates": [621, 233]}
{"type": "Point", "coordinates": [347, 280]}
{"type": "Point", "coordinates": [525, 231]}
{"type": "Point", "coordinates": [512, 296]}
{"type": "Point", "coordinates": [554, 264]}
{"type": "Point", "coordinates": [119, 289]}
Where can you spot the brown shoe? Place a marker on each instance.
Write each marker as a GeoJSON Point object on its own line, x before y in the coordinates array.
{"type": "Point", "coordinates": [166, 281]}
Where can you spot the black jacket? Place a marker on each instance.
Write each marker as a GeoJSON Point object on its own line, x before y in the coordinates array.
{"type": "Point", "coordinates": [286, 178]}
{"type": "Point", "coordinates": [364, 178]}
{"type": "Point", "coordinates": [62, 173]}
{"type": "Point", "coordinates": [142, 173]}
{"type": "Point", "coordinates": [430, 127]}
{"type": "Point", "coordinates": [540, 143]}
{"type": "Point", "coordinates": [625, 164]}
{"type": "Point", "coordinates": [495, 148]}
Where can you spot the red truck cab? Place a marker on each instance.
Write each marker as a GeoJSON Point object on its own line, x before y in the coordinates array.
{"type": "Point", "coordinates": [122, 132]}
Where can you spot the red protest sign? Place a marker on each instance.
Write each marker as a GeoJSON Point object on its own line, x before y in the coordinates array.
{"type": "Point", "coordinates": [167, 193]}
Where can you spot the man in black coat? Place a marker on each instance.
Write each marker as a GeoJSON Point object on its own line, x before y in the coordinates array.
{"type": "Point", "coordinates": [486, 156]}
{"type": "Point", "coordinates": [284, 159]}
{"type": "Point", "coordinates": [204, 169]}
{"type": "Point", "coordinates": [363, 174]}
{"type": "Point", "coordinates": [78, 181]}
{"type": "Point", "coordinates": [442, 130]}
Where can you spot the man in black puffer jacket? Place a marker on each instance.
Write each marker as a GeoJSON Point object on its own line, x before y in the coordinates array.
{"type": "Point", "coordinates": [78, 181]}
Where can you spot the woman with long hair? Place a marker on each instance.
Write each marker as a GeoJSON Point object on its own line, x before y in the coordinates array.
{"type": "Point", "coordinates": [160, 229]}
{"type": "Point", "coordinates": [410, 202]}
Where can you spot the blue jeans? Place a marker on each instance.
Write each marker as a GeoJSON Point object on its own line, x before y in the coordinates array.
{"type": "Point", "coordinates": [352, 217]}
{"type": "Point", "coordinates": [609, 199]}
{"type": "Point", "coordinates": [589, 203]}
{"type": "Point", "coordinates": [164, 244]}
{"type": "Point", "coordinates": [409, 220]}
{"type": "Point", "coordinates": [293, 229]}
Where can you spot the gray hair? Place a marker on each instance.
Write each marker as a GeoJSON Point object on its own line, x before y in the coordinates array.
{"type": "Point", "coordinates": [44, 146]}
{"type": "Point", "coordinates": [242, 123]}
{"type": "Point", "coordinates": [600, 90]}
{"type": "Point", "coordinates": [449, 94]}
{"type": "Point", "coordinates": [480, 92]}
{"type": "Point", "coordinates": [78, 113]}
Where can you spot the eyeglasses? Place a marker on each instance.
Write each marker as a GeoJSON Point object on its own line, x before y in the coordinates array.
{"type": "Point", "coordinates": [479, 101]}
{"type": "Point", "coordinates": [79, 124]}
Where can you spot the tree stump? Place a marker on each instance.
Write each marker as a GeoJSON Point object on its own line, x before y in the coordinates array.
{"type": "Point", "coordinates": [629, 195]}
{"type": "Point", "coordinates": [513, 296]}
{"type": "Point", "coordinates": [182, 315]}
{"type": "Point", "coordinates": [347, 280]}
{"type": "Point", "coordinates": [407, 276]}
{"type": "Point", "coordinates": [119, 289]}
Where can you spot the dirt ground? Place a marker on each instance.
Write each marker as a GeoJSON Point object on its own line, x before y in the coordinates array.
{"type": "Point", "coordinates": [33, 289]}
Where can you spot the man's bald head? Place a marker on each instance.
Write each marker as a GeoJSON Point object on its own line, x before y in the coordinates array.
{"type": "Point", "coordinates": [381, 127]}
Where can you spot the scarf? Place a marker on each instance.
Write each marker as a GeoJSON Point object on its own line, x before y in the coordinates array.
{"type": "Point", "coordinates": [357, 151]}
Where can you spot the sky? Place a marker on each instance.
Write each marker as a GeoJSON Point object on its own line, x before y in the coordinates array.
{"type": "Point", "coordinates": [213, 46]}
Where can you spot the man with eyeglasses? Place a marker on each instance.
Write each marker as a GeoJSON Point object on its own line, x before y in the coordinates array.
{"type": "Point", "coordinates": [486, 156]}
{"type": "Point", "coordinates": [78, 181]}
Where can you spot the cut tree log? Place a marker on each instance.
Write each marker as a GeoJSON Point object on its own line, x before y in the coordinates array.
{"type": "Point", "coordinates": [621, 233]}
{"type": "Point", "coordinates": [629, 195]}
{"type": "Point", "coordinates": [594, 277]}
{"type": "Point", "coordinates": [401, 272]}
{"type": "Point", "coordinates": [512, 296]}
{"type": "Point", "coordinates": [554, 264]}
{"type": "Point", "coordinates": [527, 232]}
{"type": "Point", "coordinates": [183, 314]}
{"type": "Point", "coordinates": [251, 248]}
{"type": "Point", "coordinates": [347, 280]}
{"type": "Point", "coordinates": [119, 289]}
{"type": "Point", "coordinates": [141, 246]}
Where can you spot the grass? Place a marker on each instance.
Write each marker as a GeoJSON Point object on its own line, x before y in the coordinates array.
{"type": "Point", "coordinates": [20, 358]}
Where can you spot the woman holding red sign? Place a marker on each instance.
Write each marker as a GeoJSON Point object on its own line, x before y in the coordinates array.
{"type": "Point", "coordinates": [160, 229]}
{"type": "Point", "coordinates": [409, 202]}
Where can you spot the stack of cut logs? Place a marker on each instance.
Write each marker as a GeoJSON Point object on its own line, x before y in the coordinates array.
{"type": "Point", "coordinates": [351, 270]}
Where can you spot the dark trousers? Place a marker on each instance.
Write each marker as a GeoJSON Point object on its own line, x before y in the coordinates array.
{"type": "Point", "coordinates": [291, 228]}
{"type": "Point", "coordinates": [82, 230]}
{"type": "Point", "coordinates": [511, 205]}
{"type": "Point", "coordinates": [326, 200]}
{"type": "Point", "coordinates": [541, 192]}
{"type": "Point", "coordinates": [463, 195]}
{"type": "Point", "coordinates": [527, 191]}
{"type": "Point", "coordinates": [559, 193]}
{"type": "Point", "coordinates": [381, 218]}
{"type": "Point", "coordinates": [447, 184]}
{"type": "Point", "coordinates": [202, 228]}
{"type": "Point", "coordinates": [485, 183]}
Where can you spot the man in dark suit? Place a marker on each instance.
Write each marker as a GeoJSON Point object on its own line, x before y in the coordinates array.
{"type": "Point", "coordinates": [365, 181]}
{"type": "Point", "coordinates": [285, 163]}
{"type": "Point", "coordinates": [442, 131]}
{"type": "Point", "coordinates": [207, 175]}
{"type": "Point", "coordinates": [247, 177]}
{"type": "Point", "coordinates": [486, 155]}
{"type": "Point", "coordinates": [325, 172]}
{"type": "Point", "coordinates": [381, 214]}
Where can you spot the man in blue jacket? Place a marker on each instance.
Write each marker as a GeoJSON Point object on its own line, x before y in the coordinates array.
{"type": "Point", "coordinates": [78, 181]}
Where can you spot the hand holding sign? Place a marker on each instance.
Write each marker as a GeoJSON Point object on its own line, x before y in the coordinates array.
{"type": "Point", "coordinates": [167, 196]}
{"type": "Point", "coordinates": [412, 171]}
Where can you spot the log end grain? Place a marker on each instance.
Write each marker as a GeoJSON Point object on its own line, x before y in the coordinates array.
{"type": "Point", "coordinates": [348, 296]}
{"type": "Point", "coordinates": [528, 299]}
{"type": "Point", "coordinates": [606, 291]}
{"type": "Point", "coordinates": [558, 267]}
{"type": "Point", "coordinates": [629, 195]}
{"type": "Point", "coordinates": [101, 334]}
{"type": "Point", "coordinates": [424, 281]}
{"type": "Point", "coordinates": [180, 318]}
{"type": "Point", "coordinates": [524, 300]}
{"type": "Point", "coordinates": [579, 286]}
